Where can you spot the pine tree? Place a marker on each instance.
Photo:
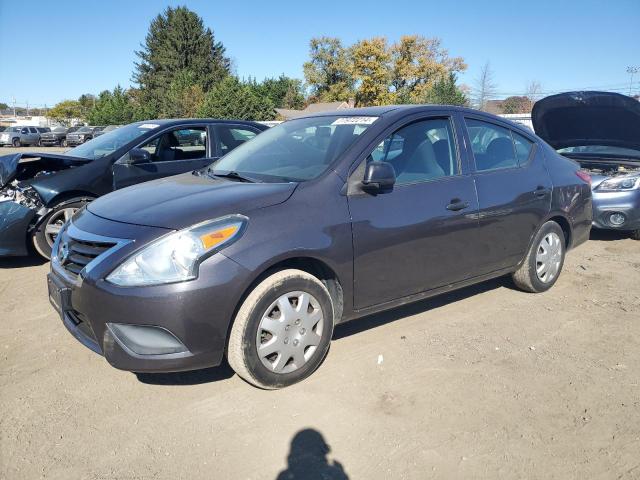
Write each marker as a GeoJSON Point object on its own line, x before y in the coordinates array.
{"type": "Point", "coordinates": [177, 42]}
{"type": "Point", "coordinates": [232, 98]}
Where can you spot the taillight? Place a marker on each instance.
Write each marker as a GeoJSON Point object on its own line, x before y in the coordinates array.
{"type": "Point", "coordinates": [584, 176]}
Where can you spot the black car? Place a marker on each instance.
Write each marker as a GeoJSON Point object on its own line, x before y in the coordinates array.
{"type": "Point", "coordinates": [82, 135]}
{"type": "Point", "coordinates": [55, 136]}
{"type": "Point", "coordinates": [314, 222]}
{"type": "Point", "coordinates": [40, 191]}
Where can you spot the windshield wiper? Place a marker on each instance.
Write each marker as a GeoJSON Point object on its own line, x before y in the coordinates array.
{"type": "Point", "coordinates": [234, 175]}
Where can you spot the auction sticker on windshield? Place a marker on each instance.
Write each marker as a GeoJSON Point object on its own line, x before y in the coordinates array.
{"type": "Point", "coordinates": [149, 125]}
{"type": "Point", "coordinates": [354, 121]}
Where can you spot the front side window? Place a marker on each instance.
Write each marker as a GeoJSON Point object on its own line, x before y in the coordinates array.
{"type": "Point", "coordinates": [491, 144]}
{"type": "Point", "coordinates": [179, 144]}
{"type": "Point", "coordinates": [297, 150]}
{"type": "Point", "coordinates": [421, 151]}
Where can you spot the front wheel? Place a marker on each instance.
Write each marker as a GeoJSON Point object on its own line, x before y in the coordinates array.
{"type": "Point", "coordinates": [63, 143]}
{"type": "Point", "coordinates": [16, 142]}
{"type": "Point", "coordinates": [282, 331]}
{"type": "Point", "coordinates": [635, 234]}
{"type": "Point", "coordinates": [542, 265]}
{"type": "Point", "coordinates": [45, 235]}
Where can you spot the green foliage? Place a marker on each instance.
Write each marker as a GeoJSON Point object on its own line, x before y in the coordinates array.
{"type": "Point", "coordinates": [377, 73]}
{"type": "Point", "coordinates": [66, 110]}
{"type": "Point", "coordinates": [112, 108]}
{"type": "Point", "coordinates": [177, 46]}
{"type": "Point", "coordinates": [232, 98]}
{"type": "Point", "coordinates": [516, 104]}
{"type": "Point", "coordinates": [328, 71]}
{"type": "Point", "coordinates": [284, 92]}
{"type": "Point", "coordinates": [3, 106]}
{"type": "Point", "coordinates": [86, 101]}
{"type": "Point", "coordinates": [446, 92]}
{"type": "Point", "coordinates": [184, 97]}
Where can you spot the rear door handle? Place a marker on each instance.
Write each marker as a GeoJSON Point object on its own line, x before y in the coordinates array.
{"type": "Point", "coordinates": [541, 191]}
{"type": "Point", "coordinates": [457, 205]}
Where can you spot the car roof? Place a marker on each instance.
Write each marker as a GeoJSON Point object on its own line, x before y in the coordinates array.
{"type": "Point", "coordinates": [188, 121]}
{"type": "Point", "coordinates": [415, 108]}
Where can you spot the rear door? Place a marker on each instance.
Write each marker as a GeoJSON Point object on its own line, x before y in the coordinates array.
{"type": "Point", "coordinates": [176, 150]}
{"type": "Point", "coordinates": [421, 234]}
{"type": "Point", "coordinates": [514, 190]}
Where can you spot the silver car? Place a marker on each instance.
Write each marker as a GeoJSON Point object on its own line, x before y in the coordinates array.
{"type": "Point", "coordinates": [601, 131]}
{"type": "Point", "coordinates": [19, 136]}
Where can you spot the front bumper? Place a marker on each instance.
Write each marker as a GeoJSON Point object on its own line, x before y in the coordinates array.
{"type": "Point", "coordinates": [15, 220]}
{"type": "Point", "coordinates": [75, 141]}
{"type": "Point", "coordinates": [607, 203]}
{"type": "Point", "coordinates": [50, 141]}
{"type": "Point", "coordinates": [197, 314]}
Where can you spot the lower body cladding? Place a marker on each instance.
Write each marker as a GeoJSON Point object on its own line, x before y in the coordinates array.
{"type": "Point", "coordinates": [163, 328]}
{"type": "Point", "coordinates": [616, 210]}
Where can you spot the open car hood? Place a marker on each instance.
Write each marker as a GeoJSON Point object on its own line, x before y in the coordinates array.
{"type": "Point", "coordinates": [588, 118]}
{"type": "Point", "coordinates": [25, 165]}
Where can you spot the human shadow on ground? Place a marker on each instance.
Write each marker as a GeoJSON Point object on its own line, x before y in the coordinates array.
{"type": "Point", "coordinates": [307, 459]}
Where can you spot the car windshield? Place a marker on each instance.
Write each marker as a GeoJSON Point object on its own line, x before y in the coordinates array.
{"type": "Point", "coordinates": [111, 141]}
{"type": "Point", "coordinates": [601, 150]}
{"type": "Point", "coordinates": [297, 150]}
{"type": "Point", "coordinates": [84, 129]}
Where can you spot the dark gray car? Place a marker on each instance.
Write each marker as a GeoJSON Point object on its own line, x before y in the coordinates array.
{"type": "Point", "coordinates": [314, 222]}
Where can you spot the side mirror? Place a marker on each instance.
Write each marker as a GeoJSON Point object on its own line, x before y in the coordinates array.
{"type": "Point", "coordinates": [378, 177]}
{"type": "Point", "coordinates": [138, 156]}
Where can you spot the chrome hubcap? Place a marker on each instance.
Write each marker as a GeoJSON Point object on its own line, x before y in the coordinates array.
{"type": "Point", "coordinates": [548, 257]}
{"type": "Point", "coordinates": [289, 332]}
{"type": "Point", "coordinates": [55, 222]}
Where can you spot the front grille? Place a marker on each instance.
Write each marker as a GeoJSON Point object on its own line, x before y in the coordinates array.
{"type": "Point", "coordinates": [75, 254]}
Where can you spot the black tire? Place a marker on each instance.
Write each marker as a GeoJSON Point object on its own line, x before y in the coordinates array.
{"type": "Point", "coordinates": [527, 277]}
{"type": "Point", "coordinates": [635, 234]}
{"type": "Point", "coordinates": [39, 144]}
{"type": "Point", "coordinates": [242, 348]}
{"type": "Point", "coordinates": [42, 236]}
{"type": "Point", "coordinates": [63, 143]}
{"type": "Point", "coordinates": [16, 142]}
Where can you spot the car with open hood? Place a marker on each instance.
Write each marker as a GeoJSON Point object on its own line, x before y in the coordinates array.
{"type": "Point", "coordinates": [41, 191]}
{"type": "Point", "coordinates": [316, 221]}
{"type": "Point", "coordinates": [600, 131]}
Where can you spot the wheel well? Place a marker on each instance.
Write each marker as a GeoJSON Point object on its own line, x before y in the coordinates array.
{"type": "Point", "coordinates": [318, 269]}
{"type": "Point", "coordinates": [64, 196]}
{"type": "Point", "coordinates": [566, 228]}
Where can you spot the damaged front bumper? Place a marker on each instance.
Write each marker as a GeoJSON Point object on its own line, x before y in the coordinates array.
{"type": "Point", "coordinates": [20, 212]}
{"type": "Point", "coordinates": [15, 220]}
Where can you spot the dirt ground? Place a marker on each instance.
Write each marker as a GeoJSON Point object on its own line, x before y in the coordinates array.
{"type": "Point", "coordinates": [10, 150]}
{"type": "Point", "coordinates": [487, 382]}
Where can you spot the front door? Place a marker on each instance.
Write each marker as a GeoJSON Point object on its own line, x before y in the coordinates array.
{"type": "Point", "coordinates": [419, 236]}
{"type": "Point", "coordinates": [179, 150]}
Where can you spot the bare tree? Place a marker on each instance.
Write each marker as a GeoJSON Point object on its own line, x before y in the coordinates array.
{"type": "Point", "coordinates": [533, 92]}
{"type": "Point", "coordinates": [484, 88]}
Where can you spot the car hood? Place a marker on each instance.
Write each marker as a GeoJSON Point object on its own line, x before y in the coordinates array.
{"type": "Point", "coordinates": [184, 200]}
{"type": "Point", "coordinates": [10, 165]}
{"type": "Point", "coordinates": [588, 118]}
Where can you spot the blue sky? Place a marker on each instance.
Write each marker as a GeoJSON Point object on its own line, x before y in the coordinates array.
{"type": "Point", "coordinates": [59, 50]}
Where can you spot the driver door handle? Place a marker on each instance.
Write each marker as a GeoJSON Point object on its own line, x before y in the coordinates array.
{"type": "Point", "coordinates": [457, 204]}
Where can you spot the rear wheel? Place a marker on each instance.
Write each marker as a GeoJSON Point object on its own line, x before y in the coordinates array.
{"type": "Point", "coordinates": [16, 142]}
{"type": "Point", "coordinates": [282, 331]}
{"type": "Point", "coordinates": [542, 265]}
{"type": "Point", "coordinates": [46, 233]}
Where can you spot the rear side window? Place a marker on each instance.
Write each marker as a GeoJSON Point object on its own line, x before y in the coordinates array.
{"type": "Point", "coordinates": [423, 150]}
{"type": "Point", "coordinates": [491, 144]}
{"type": "Point", "coordinates": [523, 147]}
{"type": "Point", "coordinates": [232, 137]}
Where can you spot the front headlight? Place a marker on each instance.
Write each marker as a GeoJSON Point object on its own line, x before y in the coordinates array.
{"type": "Point", "coordinates": [618, 184]}
{"type": "Point", "coordinates": [176, 257]}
